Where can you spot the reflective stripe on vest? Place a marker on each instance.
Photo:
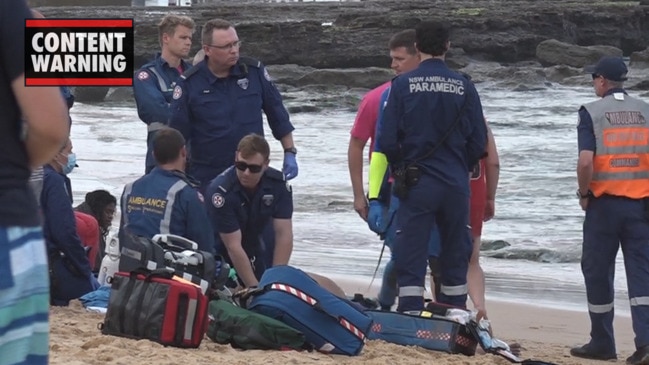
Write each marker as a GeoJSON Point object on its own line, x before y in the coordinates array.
{"type": "Point", "coordinates": [155, 126]}
{"type": "Point", "coordinates": [621, 162]}
{"type": "Point", "coordinates": [161, 81]}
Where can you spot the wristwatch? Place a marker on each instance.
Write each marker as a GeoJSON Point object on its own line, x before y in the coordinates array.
{"type": "Point", "coordinates": [582, 196]}
{"type": "Point", "coordinates": [292, 150]}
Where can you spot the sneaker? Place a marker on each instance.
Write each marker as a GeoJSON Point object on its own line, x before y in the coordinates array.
{"type": "Point", "coordinates": [640, 357]}
{"type": "Point", "coordinates": [587, 352]}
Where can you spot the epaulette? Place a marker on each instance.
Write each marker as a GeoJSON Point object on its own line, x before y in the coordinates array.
{"type": "Point", "coordinates": [192, 70]}
{"type": "Point", "coordinates": [245, 62]}
{"type": "Point", "coordinates": [274, 174]}
{"type": "Point", "coordinates": [229, 180]}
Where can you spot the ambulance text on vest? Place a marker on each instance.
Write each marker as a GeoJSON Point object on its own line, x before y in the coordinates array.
{"type": "Point", "coordinates": [438, 84]}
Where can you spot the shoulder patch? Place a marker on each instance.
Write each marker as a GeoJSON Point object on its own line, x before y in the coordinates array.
{"type": "Point", "coordinates": [288, 187]}
{"type": "Point", "coordinates": [218, 200]}
{"type": "Point", "coordinates": [178, 92]}
{"type": "Point", "coordinates": [142, 75]}
{"type": "Point", "coordinates": [200, 196]}
{"type": "Point", "coordinates": [266, 74]}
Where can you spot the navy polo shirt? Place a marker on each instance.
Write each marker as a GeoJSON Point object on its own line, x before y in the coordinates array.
{"type": "Point", "coordinates": [232, 208]}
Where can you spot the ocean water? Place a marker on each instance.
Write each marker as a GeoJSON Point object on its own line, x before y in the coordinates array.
{"type": "Point", "coordinates": [536, 209]}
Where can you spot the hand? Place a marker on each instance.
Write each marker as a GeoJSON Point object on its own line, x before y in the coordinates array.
{"type": "Point", "coordinates": [290, 166]}
{"type": "Point", "coordinates": [93, 282]}
{"type": "Point", "coordinates": [360, 206]}
{"type": "Point", "coordinates": [375, 216]}
{"type": "Point", "coordinates": [489, 210]}
{"type": "Point", "coordinates": [583, 202]}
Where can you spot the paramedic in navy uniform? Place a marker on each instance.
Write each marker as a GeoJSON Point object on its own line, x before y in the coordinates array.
{"type": "Point", "coordinates": [422, 107]}
{"type": "Point", "coordinates": [242, 201]}
{"type": "Point", "coordinates": [166, 200]}
{"type": "Point", "coordinates": [220, 101]}
{"type": "Point", "coordinates": [154, 82]}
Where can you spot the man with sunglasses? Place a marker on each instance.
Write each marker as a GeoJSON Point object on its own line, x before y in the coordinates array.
{"type": "Point", "coordinates": [242, 201]}
{"type": "Point", "coordinates": [166, 200]}
{"type": "Point", "coordinates": [220, 100]}
{"type": "Point", "coordinates": [613, 179]}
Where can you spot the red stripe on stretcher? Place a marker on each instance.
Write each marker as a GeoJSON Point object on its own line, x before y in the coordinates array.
{"type": "Point", "coordinates": [353, 329]}
{"type": "Point", "coordinates": [297, 293]}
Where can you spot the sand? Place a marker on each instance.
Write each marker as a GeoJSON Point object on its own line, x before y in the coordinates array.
{"type": "Point", "coordinates": [545, 334]}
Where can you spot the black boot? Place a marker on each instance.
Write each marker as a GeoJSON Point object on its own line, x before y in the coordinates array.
{"type": "Point", "coordinates": [640, 357]}
{"type": "Point", "coordinates": [588, 351]}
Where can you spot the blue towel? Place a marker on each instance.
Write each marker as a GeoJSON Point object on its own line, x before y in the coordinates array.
{"type": "Point", "coordinates": [97, 298]}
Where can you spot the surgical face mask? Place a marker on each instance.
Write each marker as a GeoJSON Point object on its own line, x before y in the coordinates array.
{"type": "Point", "coordinates": [72, 160]}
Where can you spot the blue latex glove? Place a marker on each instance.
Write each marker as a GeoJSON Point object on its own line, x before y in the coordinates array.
{"type": "Point", "coordinates": [94, 283]}
{"type": "Point", "coordinates": [290, 166]}
{"type": "Point", "coordinates": [375, 216]}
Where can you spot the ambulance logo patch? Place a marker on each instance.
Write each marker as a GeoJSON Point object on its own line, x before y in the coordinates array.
{"type": "Point", "coordinates": [266, 75]}
{"type": "Point", "coordinates": [218, 200]}
{"type": "Point", "coordinates": [178, 92]}
{"type": "Point", "coordinates": [243, 83]}
{"type": "Point", "coordinates": [143, 75]}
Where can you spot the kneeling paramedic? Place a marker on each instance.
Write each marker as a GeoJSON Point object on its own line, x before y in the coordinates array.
{"type": "Point", "coordinates": [243, 200]}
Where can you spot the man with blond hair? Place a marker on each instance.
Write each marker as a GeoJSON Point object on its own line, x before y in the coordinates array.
{"type": "Point", "coordinates": [154, 82]}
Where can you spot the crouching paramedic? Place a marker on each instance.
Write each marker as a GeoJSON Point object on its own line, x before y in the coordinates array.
{"type": "Point", "coordinates": [432, 133]}
{"type": "Point", "coordinates": [166, 200]}
{"type": "Point", "coordinates": [242, 201]}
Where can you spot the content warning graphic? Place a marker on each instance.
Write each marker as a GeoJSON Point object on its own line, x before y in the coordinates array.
{"type": "Point", "coordinates": [79, 52]}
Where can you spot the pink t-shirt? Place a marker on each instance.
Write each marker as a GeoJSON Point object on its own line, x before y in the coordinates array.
{"type": "Point", "coordinates": [364, 126]}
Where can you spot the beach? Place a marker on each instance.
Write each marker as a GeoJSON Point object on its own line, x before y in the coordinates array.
{"type": "Point", "coordinates": [545, 334]}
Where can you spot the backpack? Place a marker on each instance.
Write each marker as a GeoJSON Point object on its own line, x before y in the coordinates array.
{"type": "Point", "coordinates": [247, 330]}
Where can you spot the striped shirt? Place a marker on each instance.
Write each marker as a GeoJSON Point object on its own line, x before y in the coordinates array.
{"type": "Point", "coordinates": [24, 297]}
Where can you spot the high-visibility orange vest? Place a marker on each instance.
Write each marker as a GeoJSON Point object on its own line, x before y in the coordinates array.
{"type": "Point", "coordinates": [621, 162]}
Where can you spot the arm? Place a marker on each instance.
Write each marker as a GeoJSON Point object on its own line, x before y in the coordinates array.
{"type": "Point", "coordinates": [59, 217]}
{"type": "Point", "coordinates": [180, 119]}
{"type": "Point", "coordinates": [198, 228]}
{"type": "Point", "coordinates": [223, 217]}
{"type": "Point", "coordinates": [378, 162]}
{"type": "Point", "coordinates": [355, 164]}
{"type": "Point", "coordinates": [388, 132]}
{"type": "Point", "coordinates": [276, 113]}
{"type": "Point", "coordinates": [586, 142]}
{"type": "Point", "coordinates": [239, 258]}
{"type": "Point", "coordinates": [477, 139]}
{"type": "Point", "coordinates": [43, 108]}
{"type": "Point", "coordinates": [151, 104]}
{"type": "Point", "coordinates": [362, 130]}
{"type": "Point", "coordinates": [283, 241]}
{"type": "Point", "coordinates": [283, 226]}
{"type": "Point", "coordinates": [492, 174]}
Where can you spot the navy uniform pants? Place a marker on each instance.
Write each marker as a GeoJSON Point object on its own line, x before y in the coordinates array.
{"type": "Point", "coordinates": [612, 222]}
{"type": "Point", "coordinates": [428, 202]}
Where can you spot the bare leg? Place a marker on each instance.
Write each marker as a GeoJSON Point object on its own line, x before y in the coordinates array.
{"type": "Point", "coordinates": [476, 280]}
{"type": "Point", "coordinates": [328, 284]}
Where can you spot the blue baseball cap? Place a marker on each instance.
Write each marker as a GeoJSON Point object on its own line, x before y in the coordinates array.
{"type": "Point", "coordinates": [610, 68]}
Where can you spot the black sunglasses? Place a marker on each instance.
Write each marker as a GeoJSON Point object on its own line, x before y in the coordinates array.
{"type": "Point", "coordinates": [242, 166]}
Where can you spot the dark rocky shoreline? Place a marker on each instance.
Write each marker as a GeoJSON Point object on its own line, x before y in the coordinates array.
{"type": "Point", "coordinates": [492, 30]}
{"type": "Point", "coordinates": [310, 43]}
